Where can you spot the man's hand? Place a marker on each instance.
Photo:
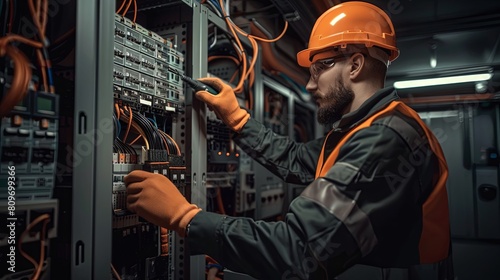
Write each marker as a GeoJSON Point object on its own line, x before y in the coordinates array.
{"type": "Point", "coordinates": [224, 104]}
{"type": "Point", "coordinates": [155, 198]}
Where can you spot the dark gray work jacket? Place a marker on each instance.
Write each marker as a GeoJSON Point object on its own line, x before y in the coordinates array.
{"type": "Point", "coordinates": [377, 183]}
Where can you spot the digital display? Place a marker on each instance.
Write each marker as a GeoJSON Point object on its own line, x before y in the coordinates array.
{"type": "Point", "coordinates": [44, 104]}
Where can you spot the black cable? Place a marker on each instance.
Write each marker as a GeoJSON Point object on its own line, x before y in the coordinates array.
{"type": "Point", "coordinates": [171, 145]}
{"type": "Point", "coordinates": [156, 142]}
{"type": "Point", "coordinates": [150, 135]}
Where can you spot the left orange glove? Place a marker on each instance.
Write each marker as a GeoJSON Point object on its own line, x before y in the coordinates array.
{"type": "Point", "coordinates": [155, 198]}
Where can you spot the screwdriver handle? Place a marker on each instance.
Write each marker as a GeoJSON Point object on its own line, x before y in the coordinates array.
{"type": "Point", "coordinates": [197, 86]}
{"type": "Point", "coordinates": [194, 84]}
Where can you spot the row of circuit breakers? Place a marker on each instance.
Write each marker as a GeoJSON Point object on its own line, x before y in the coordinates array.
{"type": "Point", "coordinates": [140, 71]}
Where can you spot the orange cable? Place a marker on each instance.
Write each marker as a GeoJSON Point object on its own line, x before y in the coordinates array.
{"type": "Point", "coordinates": [253, 43]}
{"type": "Point", "coordinates": [43, 69]}
{"type": "Point", "coordinates": [115, 272]}
{"type": "Point", "coordinates": [133, 141]}
{"type": "Point", "coordinates": [42, 251]}
{"type": "Point", "coordinates": [239, 86]}
{"type": "Point", "coordinates": [135, 10]}
{"type": "Point", "coordinates": [14, 37]}
{"type": "Point", "coordinates": [126, 9]}
{"type": "Point", "coordinates": [20, 82]}
{"type": "Point", "coordinates": [131, 115]}
{"type": "Point", "coordinates": [44, 16]}
{"type": "Point", "coordinates": [175, 143]}
{"type": "Point", "coordinates": [121, 7]}
{"type": "Point", "coordinates": [36, 20]}
{"type": "Point", "coordinates": [28, 228]}
{"type": "Point", "coordinates": [38, 9]}
{"type": "Point", "coordinates": [117, 111]}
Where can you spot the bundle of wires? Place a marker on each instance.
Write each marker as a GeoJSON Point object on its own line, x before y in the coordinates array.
{"type": "Point", "coordinates": [125, 9]}
{"type": "Point", "coordinates": [119, 146]}
{"type": "Point", "coordinates": [45, 218]}
{"type": "Point", "coordinates": [247, 69]}
{"type": "Point", "coordinates": [147, 129]}
{"type": "Point", "coordinates": [22, 67]}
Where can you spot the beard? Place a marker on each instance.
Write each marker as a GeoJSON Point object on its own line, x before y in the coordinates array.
{"type": "Point", "coordinates": [336, 101]}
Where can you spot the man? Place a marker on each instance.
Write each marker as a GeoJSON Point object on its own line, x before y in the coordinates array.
{"type": "Point", "coordinates": [376, 183]}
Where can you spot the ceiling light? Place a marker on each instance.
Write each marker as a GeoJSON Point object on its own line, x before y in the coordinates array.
{"type": "Point", "coordinates": [442, 81]}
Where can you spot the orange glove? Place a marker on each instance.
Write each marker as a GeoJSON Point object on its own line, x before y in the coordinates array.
{"type": "Point", "coordinates": [156, 199]}
{"type": "Point", "coordinates": [224, 104]}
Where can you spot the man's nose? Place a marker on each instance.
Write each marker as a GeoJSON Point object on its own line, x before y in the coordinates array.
{"type": "Point", "coordinates": [311, 85]}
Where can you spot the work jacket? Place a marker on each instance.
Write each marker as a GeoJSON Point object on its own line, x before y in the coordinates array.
{"type": "Point", "coordinates": [376, 195]}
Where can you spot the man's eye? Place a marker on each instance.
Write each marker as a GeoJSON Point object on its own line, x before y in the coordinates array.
{"type": "Point", "coordinates": [327, 62]}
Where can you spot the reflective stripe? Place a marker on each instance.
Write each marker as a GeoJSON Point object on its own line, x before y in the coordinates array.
{"type": "Point", "coordinates": [326, 194]}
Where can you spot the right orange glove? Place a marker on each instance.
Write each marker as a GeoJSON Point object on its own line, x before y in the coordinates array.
{"type": "Point", "coordinates": [155, 198]}
{"type": "Point", "coordinates": [224, 104]}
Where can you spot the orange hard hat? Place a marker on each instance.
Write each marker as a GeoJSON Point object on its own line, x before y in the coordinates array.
{"type": "Point", "coordinates": [351, 23]}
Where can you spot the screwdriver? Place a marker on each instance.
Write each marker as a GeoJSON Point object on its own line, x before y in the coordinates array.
{"type": "Point", "coordinates": [194, 84]}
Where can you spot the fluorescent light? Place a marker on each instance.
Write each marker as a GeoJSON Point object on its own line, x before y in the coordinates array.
{"type": "Point", "coordinates": [443, 81]}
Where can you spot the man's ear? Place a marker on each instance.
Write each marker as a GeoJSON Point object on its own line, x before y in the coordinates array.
{"type": "Point", "coordinates": [357, 63]}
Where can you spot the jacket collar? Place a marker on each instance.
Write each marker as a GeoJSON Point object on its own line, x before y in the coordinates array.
{"type": "Point", "coordinates": [376, 102]}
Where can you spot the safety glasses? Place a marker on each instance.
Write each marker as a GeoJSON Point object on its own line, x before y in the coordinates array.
{"type": "Point", "coordinates": [321, 65]}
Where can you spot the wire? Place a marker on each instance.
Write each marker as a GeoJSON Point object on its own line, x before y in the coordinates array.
{"type": "Point", "coordinates": [135, 140]}
{"type": "Point", "coordinates": [135, 11]}
{"type": "Point", "coordinates": [131, 115]}
{"type": "Point", "coordinates": [165, 142]}
{"type": "Point", "coordinates": [20, 80]}
{"type": "Point", "coordinates": [43, 69]}
{"type": "Point", "coordinates": [117, 110]}
{"type": "Point", "coordinates": [232, 58]}
{"type": "Point", "coordinates": [115, 273]}
{"type": "Point", "coordinates": [36, 19]}
{"type": "Point", "coordinates": [153, 122]}
{"type": "Point", "coordinates": [215, 38]}
{"type": "Point", "coordinates": [138, 128]}
{"type": "Point", "coordinates": [253, 42]}
{"type": "Point", "coordinates": [39, 265]}
{"type": "Point", "coordinates": [126, 9]}
{"type": "Point", "coordinates": [44, 16]}
{"type": "Point", "coordinates": [39, 16]}
{"type": "Point", "coordinates": [121, 7]}
{"type": "Point", "coordinates": [173, 142]}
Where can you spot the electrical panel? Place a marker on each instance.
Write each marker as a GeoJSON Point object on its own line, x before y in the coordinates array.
{"type": "Point", "coordinates": [147, 99]}
{"type": "Point", "coordinates": [29, 140]}
{"type": "Point", "coordinates": [29, 145]}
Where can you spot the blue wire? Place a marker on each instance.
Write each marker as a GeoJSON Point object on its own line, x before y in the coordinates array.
{"type": "Point", "coordinates": [216, 4]}
{"type": "Point", "coordinates": [153, 121]}
{"type": "Point", "coordinates": [49, 72]}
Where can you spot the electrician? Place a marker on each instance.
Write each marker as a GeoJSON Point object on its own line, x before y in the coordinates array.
{"type": "Point", "coordinates": [376, 191]}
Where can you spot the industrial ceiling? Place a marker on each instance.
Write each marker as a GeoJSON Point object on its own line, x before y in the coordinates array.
{"type": "Point", "coordinates": [461, 36]}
